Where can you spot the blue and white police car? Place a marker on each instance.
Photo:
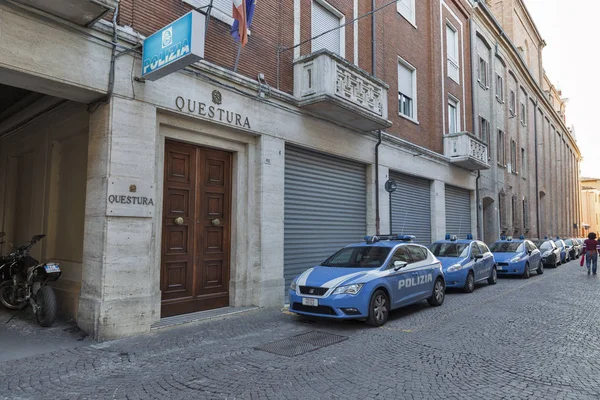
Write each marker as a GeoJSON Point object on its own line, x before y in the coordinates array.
{"type": "Point", "coordinates": [367, 280]}
{"type": "Point", "coordinates": [465, 262]}
{"type": "Point", "coordinates": [517, 257]}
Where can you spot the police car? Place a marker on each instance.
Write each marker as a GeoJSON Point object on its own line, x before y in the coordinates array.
{"type": "Point", "coordinates": [517, 257]}
{"type": "Point", "coordinates": [465, 262]}
{"type": "Point", "coordinates": [367, 280]}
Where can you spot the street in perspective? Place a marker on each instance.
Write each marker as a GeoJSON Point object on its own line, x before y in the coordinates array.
{"type": "Point", "coordinates": [301, 199]}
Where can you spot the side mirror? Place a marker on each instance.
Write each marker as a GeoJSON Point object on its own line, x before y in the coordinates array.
{"type": "Point", "coordinates": [479, 256]}
{"type": "Point", "coordinates": [399, 265]}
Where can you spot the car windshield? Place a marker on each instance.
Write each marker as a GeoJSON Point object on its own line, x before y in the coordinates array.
{"type": "Point", "coordinates": [544, 245]}
{"type": "Point", "coordinates": [358, 257]}
{"type": "Point", "coordinates": [450, 249]}
{"type": "Point", "coordinates": [569, 242]}
{"type": "Point", "coordinates": [506, 247]}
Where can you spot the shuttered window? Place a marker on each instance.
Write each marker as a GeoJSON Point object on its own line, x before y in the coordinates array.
{"type": "Point", "coordinates": [452, 52]}
{"type": "Point", "coordinates": [406, 8]}
{"type": "Point", "coordinates": [411, 207]}
{"type": "Point", "coordinates": [325, 208]}
{"type": "Point", "coordinates": [221, 9]}
{"type": "Point", "coordinates": [324, 20]}
{"type": "Point", "coordinates": [458, 211]}
{"type": "Point", "coordinates": [406, 90]}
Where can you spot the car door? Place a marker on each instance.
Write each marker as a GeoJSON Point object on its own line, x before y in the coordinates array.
{"type": "Point", "coordinates": [477, 260]}
{"type": "Point", "coordinates": [400, 280]}
{"type": "Point", "coordinates": [422, 272]}
{"type": "Point", "coordinates": [487, 261]}
{"type": "Point", "coordinates": [535, 256]}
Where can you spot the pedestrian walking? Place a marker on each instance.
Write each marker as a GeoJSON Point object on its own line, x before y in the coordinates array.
{"type": "Point", "coordinates": [591, 253]}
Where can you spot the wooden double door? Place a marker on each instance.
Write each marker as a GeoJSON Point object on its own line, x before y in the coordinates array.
{"type": "Point", "coordinates": [196, 234]}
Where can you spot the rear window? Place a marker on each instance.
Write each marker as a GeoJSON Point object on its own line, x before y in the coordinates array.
{"type": "Point", "coordinates": [450, 249]}
{"type": "Point", "coordinates": [507, 247]}
{"type": "Point", "coordinates": [358, 257]}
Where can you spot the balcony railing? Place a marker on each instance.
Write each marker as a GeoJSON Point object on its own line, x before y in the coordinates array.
{"type": "Point", "coordinates": [80, 12]}
{"type": "Point", "coordinates": [466, 150]}
{"type": "Point", "coordinates": [331, 87]}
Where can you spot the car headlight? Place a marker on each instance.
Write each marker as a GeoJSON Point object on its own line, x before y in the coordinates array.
{"type": "Point", "coordinates": [293, 285]}
{"type": "Point", "coordinates": [349, 289]}
{"type": "Point", "coordinates": [516, 258]}
{"type": "Point", "coordinates": [454, 268]}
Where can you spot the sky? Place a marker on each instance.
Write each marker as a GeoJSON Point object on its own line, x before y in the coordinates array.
{"type": "Point", "coordinates": [571, 61]}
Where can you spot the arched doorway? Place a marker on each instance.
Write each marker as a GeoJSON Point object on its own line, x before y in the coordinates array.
{"type": "Point", "coordinates": [490, 220]}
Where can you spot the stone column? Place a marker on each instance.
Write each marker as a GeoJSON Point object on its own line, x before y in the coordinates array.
{"type": "Point", "coordinates": [119, 296]}
{"type": "Point", "coordinates": [438, 210]}
{"type": "Point", "coordinates": [269, 280]}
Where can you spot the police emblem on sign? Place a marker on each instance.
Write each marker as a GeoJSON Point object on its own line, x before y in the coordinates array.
{"type": "Point", "coordinates": [167, 37]}
{"type": "Point", "coordinates": [216, 97]}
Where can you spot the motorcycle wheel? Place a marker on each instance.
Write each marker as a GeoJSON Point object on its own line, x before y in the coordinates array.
{"type": "Point", "coordinates": [46, 301]}
{"type": "Point", "coordinates": [6, 289]}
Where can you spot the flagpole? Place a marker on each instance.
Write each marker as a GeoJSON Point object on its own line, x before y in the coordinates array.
{"type": "Point", "coordinates": [237, 59]}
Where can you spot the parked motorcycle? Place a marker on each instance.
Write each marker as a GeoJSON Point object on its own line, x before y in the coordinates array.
{"type": "Point", "coordinates": [27, 283]}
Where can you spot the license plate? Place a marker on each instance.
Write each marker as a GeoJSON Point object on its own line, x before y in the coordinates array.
{"type": "Point", "coordinates": [499, 268]}
{"type": "Point", "coordinates": [310, 302]}
{"type": "Point", "coordinates": [50, 268]}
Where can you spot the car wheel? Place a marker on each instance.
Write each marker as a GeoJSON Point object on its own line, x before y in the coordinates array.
{"type": "Point", "coordinates": [493, 279]}
{"type": "Point", "coordinates": [527, 272]}
{"type": "Point", "coordinates": [379, 308]}
{"type": "Point", "coordinates": [540, 268]}
{"type": "Point", "coordinates": [469, 283]}
{"type": "Point", "coordinates": [439, 292]}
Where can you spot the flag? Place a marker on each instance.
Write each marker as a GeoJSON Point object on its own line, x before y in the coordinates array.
{"type": "Point", "coordinates": [243, 13]}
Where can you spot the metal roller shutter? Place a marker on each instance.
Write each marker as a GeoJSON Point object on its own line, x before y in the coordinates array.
{"type": "Point", "coordinates": [322, 21]}
{"type": "Point", "coordinates": [458, 211]}
{"type": "Point", "coordinates": [411, 207]}
{"type": "Point", "coordinates": [325, 208]}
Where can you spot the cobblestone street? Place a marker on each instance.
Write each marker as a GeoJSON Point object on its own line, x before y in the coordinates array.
{"type": "Point", "coordinates": [535, 338]}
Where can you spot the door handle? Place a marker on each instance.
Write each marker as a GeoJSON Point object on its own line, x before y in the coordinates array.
{"type": "Point", "coordinates": [178, 221]}
{"type": "Point", "coordinates": [216, 222]}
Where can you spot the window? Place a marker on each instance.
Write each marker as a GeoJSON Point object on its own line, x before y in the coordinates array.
{"type": "Point", "coordinates": [483, 248]}
{"type": "Point", "coordinates": [523, 162]}
{"type": "Point", "coordinates": [453, 115]}
{"type": "Point", "coordinates": [417, 253]}
{"type": "Point", "coordinates": [475, 250]}
{"type": "Point", "coordinates": [401, 254]}
{"type": "Point", "coordinates": [325, 18]}
{"type": "Point", "coordinates": [484, 130]}
{"type": "Point", "coordinates": [482, 73]}
{"type": "Point", "coordinates": [452, 50]}
{"type": "Point", "coordinates": [513, 102]}
{"type": "Point", "coordinates": [406, 8]}
{"type": "Point", "coordinates": [513, 156]}
{"type": "Point", "coordinates": [523, 114]}
{"type": "Point", "coordinates": [407, 79]}
{"type": "Point", "coordinates": [221, 9]}
{"type": "Point", "coordinates": [501, 150]}
{"type": "Point", "coordinates": [502, 210]}
{"type": "Point", "coordinates": [358, 257]}
{"type": "Point", "coordinates": [500, 88]}
{"type": "Point", "coordinates": [525, 214]}
{"type": "Point", "coordinates": [514, 211]}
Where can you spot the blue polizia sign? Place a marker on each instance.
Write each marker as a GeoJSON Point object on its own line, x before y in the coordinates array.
{"type": "Point", "coordinates": [175, 46]}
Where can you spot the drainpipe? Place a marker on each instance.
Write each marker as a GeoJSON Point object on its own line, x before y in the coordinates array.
{"type": "Point", "coordinates": [377, 221]}
{"type": "Point", "coordinates": [537, 177]}
{"type": "Point", "coordinates": [374, 73]}
{"type": "Point", "coordinates": [477, 199]}
{"type": "Point", "coordinates": [373, 41]}
{"type": "Point", "coordinates": [111, 75]}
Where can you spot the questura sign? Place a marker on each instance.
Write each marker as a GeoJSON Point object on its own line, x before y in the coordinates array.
{"type": "Point", "coordinates": [214, 112]}
{"type": "Point", "coordinates": [130, 198]}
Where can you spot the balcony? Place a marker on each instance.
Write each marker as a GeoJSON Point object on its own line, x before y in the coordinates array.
{"type": "Point", "coordinates": [465, 150]}
{"type": "Point", "coordinates": [80, 12]}
{"type": "Point", "coordinates": [333, 88]}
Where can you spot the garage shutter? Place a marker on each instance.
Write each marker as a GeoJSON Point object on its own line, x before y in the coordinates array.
{"type": "Point", "coordinates": [325, 208]}
{"type": "Point", "coordinates": [411, 207]}
{"type": "Point", "coordinates": [324, 20]}
{"type": "Point", "coordinates": [458, 211]}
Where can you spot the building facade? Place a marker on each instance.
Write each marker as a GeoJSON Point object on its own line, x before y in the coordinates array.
{"type": "Point", "coordinates": [208, 187]}
{"type": "Point", "coordinates": [532, 187]}
{"type": "Point", "coordinates": [590, 205]}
